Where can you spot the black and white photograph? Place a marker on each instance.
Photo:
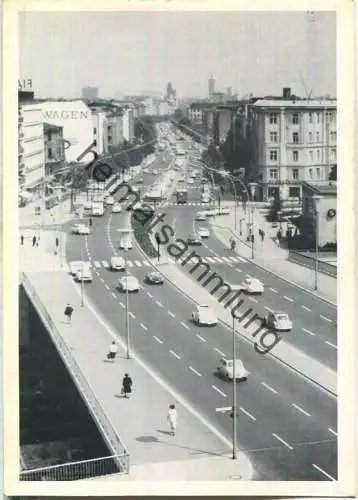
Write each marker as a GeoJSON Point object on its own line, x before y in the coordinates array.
{"type": "Point", "coordinates": [171, 265]}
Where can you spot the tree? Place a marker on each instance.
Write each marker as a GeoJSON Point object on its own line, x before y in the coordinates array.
{"type": "Point", "coordinates": [276, 206]}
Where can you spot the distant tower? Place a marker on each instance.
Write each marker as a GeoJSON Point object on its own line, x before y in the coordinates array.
{"type": "Point", "coordinates": [170, 90]}
{"type": "Point", "coordinates": [229, 92]}
{"type": "Point", "coordinates": [211, 83]}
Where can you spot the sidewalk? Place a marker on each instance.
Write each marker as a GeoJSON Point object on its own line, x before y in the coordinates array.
{"type": "Point", "coordinates": [268, 254]}
{"type": "Point", "coordinates": [198, 452]}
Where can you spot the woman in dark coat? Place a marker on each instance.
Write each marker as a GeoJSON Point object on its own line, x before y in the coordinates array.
{"type": "Point", "coordinates": [126, 385]}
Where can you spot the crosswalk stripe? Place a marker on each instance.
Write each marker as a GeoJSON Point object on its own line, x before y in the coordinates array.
{"type": "Point", "coordinates": [225, 259]}
{"type": "Point", "coordinates": [137, 263]}
{"type": "Point", "coordinates": [210, 259]}
{"type": "Point", "coordinates": [96, 263]}
{"type": "Point", "coordinates": [233, 259]}
{"type": "Point", "coordinates": [218, 260]}
{"type": "Point", "coordinates": [130, 263]}
{"type": "Point", "coordinates": [242, 260]}
{"type": "Point", "coordinates": [146, 263]}
{"type": "Point", "coordinates": [105, 263]}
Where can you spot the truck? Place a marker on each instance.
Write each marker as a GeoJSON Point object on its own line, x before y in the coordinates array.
{"type": "Point", "coordinates": [97, 208]}
{"type": "Point", "coordinates": [182, 196]}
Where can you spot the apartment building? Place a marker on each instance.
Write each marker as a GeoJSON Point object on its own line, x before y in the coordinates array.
{"type": "Point", "coordinates": [292, 140]}
{"type": "Point", "coordinates": [54, 148]}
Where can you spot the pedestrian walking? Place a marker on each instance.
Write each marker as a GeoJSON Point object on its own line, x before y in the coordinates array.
{"type": "Point", "coordinates": [113, 349]}
{"type": "Point", "coordinates": [68, 313]}
{"type": "Point", "coordinates": [262, 235]}
{"type": "Point", "coordinates": [22, 239]}
{"type": "Point", "coordinates": [126, 385]}
{"type": "Point", "coordinates": [172, 419]}
{"type": "Point", "coordinates": [34, 240]}
{"type": "Point", "coordinates": [90, 222]}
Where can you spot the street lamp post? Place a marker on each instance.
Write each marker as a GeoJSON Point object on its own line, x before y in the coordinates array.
{"type": "Point", "coordinates": [234, 413]}
{"type": "Point", "coordinates": [252, 186]}
{"type": "Point", "coordinates": [82, 284]}
{"type": "Point", "coordinates": [316, 207]}
{"type": "Point", "coordinates": [128, 346]}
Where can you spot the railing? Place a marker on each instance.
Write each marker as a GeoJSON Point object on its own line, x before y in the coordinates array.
{"type": "Point", "coordinates": [310, 262]}
{"type": "Point", "coordinates": [104, 424]}
{"type": "Point", "coordinates": [74, 471]}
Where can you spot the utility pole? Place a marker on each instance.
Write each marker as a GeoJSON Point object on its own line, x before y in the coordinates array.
{"type": "Point", "coordinates": [82, 285]}
{"type": "Point", "coordinates": [234, 412]}
{"type": "Point", "coordinates": [127, 312]}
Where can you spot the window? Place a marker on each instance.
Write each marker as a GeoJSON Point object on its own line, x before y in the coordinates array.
{"type": "Point", "coordinates": [309, 136]}
{"type": "Point", "coordinates": [318, 115]}
{"type": "Point", "coordinates": [49, 153]}
{"type": "Point", "coordinates": [333, 137]}
{"type": "Point", "coordinates": [49, 136]}
{"type": "Point", "coordinates": [309, 117]}
{"type": "Point", "coordinates": [329, 116]}
{"type": "Point", "coordinates": [295, 118]}
{"type": "Point", "coordinates": [273, 117]}
{"type": "Point", "coordinates": [318, 173]}
{"type": "Point", "coordinates": [94, 130]}
{"type": "Point", "coordinates": [295, 173]}
{"type": "Point", "coordinates": [273, 173]}
{"type": "Point", "coordinates": [273, 136]}
{"type": "Point", "coordinates": [333, 155]}
{"type": "Point", "coordinates": [295, 155]}
{"type": "Point", "coordinates": [318, 136]}
{"type": "Point", "coordinates": [318, 155]}
{"type": "Point", "coordinates": [109, 129]}
{"type": "Point", "coordinates": [295, 137]}
{"type": "Point", "coordinates": [273, 155]}
{"type": "Point", "coordinates": [109, 138]}
{"type": "Point", "coordinates": [294, 192]}
{"type": "Point", "coordinates": [310, 173]}
{"type": "Point", "coordinates": [311, 156]}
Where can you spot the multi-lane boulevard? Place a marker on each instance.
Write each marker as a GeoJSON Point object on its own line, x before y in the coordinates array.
{"type": "Point", "coordinates": [287, 425]}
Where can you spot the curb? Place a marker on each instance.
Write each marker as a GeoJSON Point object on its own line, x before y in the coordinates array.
{"type": "Point", "coordinates": [227, 326]}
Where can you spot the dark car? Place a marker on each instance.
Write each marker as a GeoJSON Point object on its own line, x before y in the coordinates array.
{"type": "Point", "coordinates": [194, 239]}
{"type": "Point", "coordinates": [154, 278]}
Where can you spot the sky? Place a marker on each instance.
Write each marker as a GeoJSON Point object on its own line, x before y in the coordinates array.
{"type": "Point", "coordinates": [128, 53]}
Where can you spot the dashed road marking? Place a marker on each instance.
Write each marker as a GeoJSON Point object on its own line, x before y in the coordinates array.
{"type": "Point", "coordinates": [211, 260]}
{"type": "Point", "coordinates": [158, 340]}
{"type": "Point", "coordinates": [193, 370]}
{"type": "Point", "coordinates": [137, 263]}
{"type": "Point", "coordinates": [146, 263]}
{"type": "Point", "coordinates": [149, 295]}
{"type": "Point", "coordinates": [252, 299]}
{"type": "Point", "coordinates": [309, 332]}
{"type": "Point", "coordinates": [273, 290]}
{"type": "Point", "coordinates": [247, 275]}
{"type": "Point", "coordinates": [159, 303]}
{"type": "Point", "coordinates": [306, 308]}
{"type": "Point", "coordinates": [122, 305]}
{"type": "Point", "coordinates": [330, 344]}
{"type": "Point", "coordinates": [325, 318]}
{"type": "Point", "coordinates": [247, 413]}
{"type": "Point", "coordinates": [143, 326]}
{"type": "Point", "coordinates": [269, 387]}
{"type": "Point", "coordinates": [288, 298]}
{"type": "Point", "coordinates": [114, 295]}
{"type": "Point", "coordinates": [218, 390]}
{"type": "Point", "coordinates": [184, 325]}
{"type": "Point", "coordinates": [268, 309]}
{"type": "Point", "coordinates": [201, 338]}
{"type": "Point", "coordinates": [323, 472]}
{"type": "Point", "coordinates": [131, 314]}
{"type": "Point", "coordinates": [218, 351]}
{"type": "Point", "coordinates": [301, 409]}
{"type": "Point", "coordinates": [282, 441]}
{"type": "Point", "coordinates": [175, 354]}
{"type": "Point", "coordinates": [171, 314]}
{"type": "Point", "coordinates": [106, 286]}
{"type": "Point", "coordinates": [238, 270]}
{"type": "Point", "coordinates": [102, 279]}
{"type": "Point", "coordinates": [332, 431]}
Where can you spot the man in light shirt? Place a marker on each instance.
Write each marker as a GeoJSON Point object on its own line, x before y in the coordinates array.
{"type": "Point", "coordinates": [113, 349]}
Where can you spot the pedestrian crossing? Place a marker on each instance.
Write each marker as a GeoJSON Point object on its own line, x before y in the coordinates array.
{"type": "Point", "coordinates": [182, 261]}
{"type": "Point", "coordinates": [188, 204]}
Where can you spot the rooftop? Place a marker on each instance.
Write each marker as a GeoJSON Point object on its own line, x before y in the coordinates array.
{"type": "Point", "coordinates": [324, 187]}
{"type": "Point", "coordinates": [295, 103]}
{"type": "Point", "coordinates": [49, 127]}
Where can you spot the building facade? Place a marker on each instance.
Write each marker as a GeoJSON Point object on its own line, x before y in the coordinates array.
{"type": "Point", "coordinates": [54, 147]}
{"type": "Point", "coordinates": [31, 149]}
{"type": "Point", "coordinates": [292, 141]}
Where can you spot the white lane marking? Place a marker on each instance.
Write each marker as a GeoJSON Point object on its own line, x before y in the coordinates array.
{"type": "Point", "coordinates": [282, 441]}
{"type": "Point", "coordinates": [325, 318]}
{"type": "Point", "coordinates": [201, 338]}
{"type": "Point", "coordinates": [193, 370]}
{"type": "Point", "coordinates": [171, 314]}
{"type": "Point", "coordinates": [306, 308]}
{"type": "Point", "coordinates": [218, 260]}
{"type": "Point", "coordinates": [288, 298]}
{"type": "Point", "coordinates": [332, 431]}
{"type": "Point", "coordinates": [146, 263]}
{"type": "Point", "coordinates": [323, 472]}
{"type": "Point", "coordinates": [184, 325]}
{"type": "Point", "coordinates": [330, 344]}
{"type": "Point", "coordinates": [158, 340]}
{"type": "Point", "coordinates": [137, 263]}
{"type": "Point", "coordinates": [105, 263]}
{"type": "Point", "coordinates": [149, 295]}
{"type": "Point", "coordinates": [131, 314]}
{"type": "Point", "coordinates": [143, 326]}
{"type": "Point", "coordinates": [247, 275]}
{"type": "Point", "coordinates": [114, 295]}
{"type": "Point", "coordinates": [269, 387]}
{"type": "Point", "coordinates": [159, 303]}
{"type": "Point", "coordinates": [175, 354]}
{"type": "Point", "coordinates": [234, 259]}
{"type": "Point", "coordinates": [102, 279]}
{"type": "Point", "coordinates": [268, 309]}
{"type": "Point", "coordinates": [218, 390]}
{"type": "Point", "coordinates": [242, 260]}
{"type": "Point", "coordinates": [211, 260]}
{"type": "Point", "coordinates": [225, 259]}
{"type": "Point", "coordinates": [309, 332]}
{"type": "Point", "coordinates": [252, 299]}
{"type": "Point", "coordinates": [247, 413]}
{"type": "Point", "coordinates": [96, 263]}
{"type": "Point", "coordinates": [106, 286]}
{"type": "Point", "coordinates": [273, 290]}
{"type": "Point", "coordinates": [130, 263]}
{"type": "Point", "coordinates": [122, 305]}
{"type": "Point", "coordinates": [301, 410]}
{"type": "Point", "coordinates": [220, 352]}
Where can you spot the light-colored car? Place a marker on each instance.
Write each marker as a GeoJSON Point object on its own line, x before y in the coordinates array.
{"type": "Point", "coordinates": [145, 170]}
{"type": "Point", "coordinates": [80, 229]}
{"type": "Point", "coordinates": [155, 172]}
{"type": "Point", "coordinates": [226, 369]}
{"type": "Point", "coordinates": [109, 200]}
{"type": "Point", "coordinates": [203, 232]}
{"type": "Point", "coordinates": [126, 243]}
{"type": "Point", "coordinates": [278, 321]}
{"type": "Point", "coordinates": [190, 181]}
{"type": "Point", "coordinates": [129, 283]}
{"type": "Point", "coordinates": [154, 278]}
{"type": "Point", "coordinates": [118, 263]}
{"type": "Point", "coordinates": [224, 211]}
{"type": "Point", "coordinates": [116, 209]}
{"type": "Point", "coordinates": [194, 239]}
{"type": "Point", "coordinates": [76, 265]}
{"type": "Point", "coordinates": [75, 228]}
{"type": "Point", "coordinates": [204, 315]}
{"type": "Point", "coordinates": [84, 274]}
{"type": "Point", "coordinates": [253, 286]}
{"type": "Point", "coordinates": [200, 216]}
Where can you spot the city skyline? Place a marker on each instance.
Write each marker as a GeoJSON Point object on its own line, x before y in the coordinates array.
{"type": "Point", "coordinates": [157, 47]}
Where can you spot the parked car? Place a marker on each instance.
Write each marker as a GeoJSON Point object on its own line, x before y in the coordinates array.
{"type": "Point", "coordinates": [253, 286]}
{"type": "Point", "coordinates": [116, 209]}
{"type": "Point", "coordinates": [129, 283]}
{"type": "Point", "coordinates": [203, 232]}
{"type": "Point", "coordinates": [154, 278]}
{"type": "Point", "coordinates": [200, 216]}
{"type": "Point", "coordinates": [278, 321]}
{"type": "Point", "coordinates": [204, 315]}
{"type": "Point", "coordinates": [226, 369]}
{"type": "Point", "coordinates": [190, 181]}
{"type": "Point", "coordinates": [109, 200]}
{"type": "Point", "coordinates": [118, 263]}
{"type": "Point", "coordinates": [194, 239]}
{"type": "Point", "coordinates": [80, 229]}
